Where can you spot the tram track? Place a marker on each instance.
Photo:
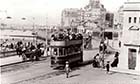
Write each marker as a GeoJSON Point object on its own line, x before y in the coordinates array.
{"type": "Point", "coordinates": [13, 63]}
{"type": "Point", "coordinates": [50, 74]}
{"type": "Point", "coordinates": [41, 77]}
{"type": "Point", "coordinates": [20, 65]}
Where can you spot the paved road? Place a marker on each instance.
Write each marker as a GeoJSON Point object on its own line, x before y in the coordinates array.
{"type": "Point", "coordinates": [41, 73]}
{"type": "Point", "coordinates": [88, 75]}
{"type": "Point", "coordinates": [37, 69]}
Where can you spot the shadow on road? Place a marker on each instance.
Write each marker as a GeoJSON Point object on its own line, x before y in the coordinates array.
{"type": "Point", "coordinates": [111, 73]}
{"type": "Point", "coordinates": [74, 75]}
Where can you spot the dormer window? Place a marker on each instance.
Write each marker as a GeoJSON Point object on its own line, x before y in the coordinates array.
{"type": "Point", "coordinates": [129, 20]}
{"type": "Point", "coordinates": [135, 19]}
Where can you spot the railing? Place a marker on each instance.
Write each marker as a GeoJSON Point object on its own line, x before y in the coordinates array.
{"type": "Point", "coordinates": [7, 53]}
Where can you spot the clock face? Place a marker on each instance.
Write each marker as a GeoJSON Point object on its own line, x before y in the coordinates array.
{"type": "Point", "coordinates": [134, 28]}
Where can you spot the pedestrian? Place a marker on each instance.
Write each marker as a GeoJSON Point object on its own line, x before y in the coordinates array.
{"type": "Point", "coordinates": [67, 69]}
{"type": "Point", "coordinates": [96, 60]}
{"type": "Point", "coordinates": [106, 41]}
{"type": "Point", "coordinates": [107, 67]}
{"type": "Point", "coordinates": [38, 52]}
{"type": "Point", "coordinates": [12, 46]}
{"type": "Point", "coordinates": [32, 47]}
{"type": "Point", "coordinates": [100, 47]}
{"type": "Point", "coordinates": [116, 60]}
{"type": "Point", "coordinates": [119, 43]}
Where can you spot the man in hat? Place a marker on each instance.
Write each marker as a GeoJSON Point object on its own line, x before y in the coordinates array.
{"type": "Point", "coordinates": [107, 67]}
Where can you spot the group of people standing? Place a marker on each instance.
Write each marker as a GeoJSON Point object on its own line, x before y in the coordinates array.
{"type": "Point", "coordinates": [61, 36]}
{"type": "Point", "coordinates": [99, 58]}
{"type": "Point", "coordinates": [29, 50]}
{"type": "Point", "coordinates": [99, 61]}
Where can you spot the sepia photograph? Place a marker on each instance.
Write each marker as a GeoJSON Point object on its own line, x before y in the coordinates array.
{"type": "Point", "coordinates": [69, 41]}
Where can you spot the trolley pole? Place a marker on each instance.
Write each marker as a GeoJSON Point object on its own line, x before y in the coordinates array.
{"type": "Point", "coordinates": [102, 52]}
{"type": "Point", "coordinates": [103, 64]}
{"type": "Point", "coordinates": [33, 29]}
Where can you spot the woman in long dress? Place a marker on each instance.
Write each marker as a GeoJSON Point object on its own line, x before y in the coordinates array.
{"type": "Point", "coordinates": [116, 60]}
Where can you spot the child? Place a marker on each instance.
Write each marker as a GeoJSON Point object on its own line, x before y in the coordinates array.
{"type": "Point", "coordinates": [107, 67]}
{"type": "Point", "coordinates": [67, 69]}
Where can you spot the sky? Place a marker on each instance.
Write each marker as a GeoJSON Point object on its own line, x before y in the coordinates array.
{"type": "Point", "coordinates": [45, 11]}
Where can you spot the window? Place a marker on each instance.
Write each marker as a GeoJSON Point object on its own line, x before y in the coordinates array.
{"type": "Point", "coordinates": [129, 19]}
{"type": "Point", "coordinates": [135, 19]}
{"type": "Point", "coordinates": [108, 35]}
{"type": "Point", "coordinates": [55, 51]}
{"type": "Point", "coordinates": [132, 58]}
{"type": "Point", "coordinates": [107, 17]}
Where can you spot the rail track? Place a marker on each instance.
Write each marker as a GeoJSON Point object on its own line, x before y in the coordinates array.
{"type": "Point", "coordinates": [20, 65]}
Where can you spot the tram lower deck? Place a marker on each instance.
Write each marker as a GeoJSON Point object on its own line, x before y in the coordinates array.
{"type": "Point", "coordinates": [62, 51]}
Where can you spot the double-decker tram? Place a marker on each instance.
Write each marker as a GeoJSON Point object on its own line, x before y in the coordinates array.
{"type": "Point", "coordinates": [66, 48]}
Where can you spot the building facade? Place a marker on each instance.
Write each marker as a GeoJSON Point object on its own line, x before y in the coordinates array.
{"type": "Point", "coordinates": [91, 17]}
{"type": "Point", "coordinates": [71, 17]}
{"type": "Point", "coordinates": [130, 51]}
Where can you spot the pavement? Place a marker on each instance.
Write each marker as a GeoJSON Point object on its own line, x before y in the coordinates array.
{"type": "Point", "coordinates": [42, 73]}
{"type": "Point", "coordinates": [10, 60]}
{"type": "Point", "coordinates": [33, 71]}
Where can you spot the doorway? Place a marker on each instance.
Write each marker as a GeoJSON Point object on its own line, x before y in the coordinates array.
{"type": "Point", "coordinates": [132, 59]}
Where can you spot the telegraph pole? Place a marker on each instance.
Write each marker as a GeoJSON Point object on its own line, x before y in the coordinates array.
{"type": "Point", "coordinates": [46, 50]}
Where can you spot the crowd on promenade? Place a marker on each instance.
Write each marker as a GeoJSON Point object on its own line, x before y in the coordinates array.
{"type": "Point", "coordinates": [21, 47]}
{"type": "Point", "coordinates": [8, 45]}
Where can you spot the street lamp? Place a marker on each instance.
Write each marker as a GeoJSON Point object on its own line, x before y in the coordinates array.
{"type": "Point", "coordinates": [33, 28]}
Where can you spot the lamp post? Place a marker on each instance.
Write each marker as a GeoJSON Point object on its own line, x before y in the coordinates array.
{"type": "Point", "coordinates": [33, 28]}
{"type": "Point", "coordinates": [46, 50]}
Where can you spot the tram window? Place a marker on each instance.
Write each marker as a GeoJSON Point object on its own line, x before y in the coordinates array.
{"type": "Point", "coordinates": [76, 49]}
{"type": "Point", "coordinates": [61, 51]}
{"type": "Point", "coordinates": [55, 51]}
{"type": "Point", "coordinates": [69, 50]}
{"type": "Point", "coordinates": [64, 51]}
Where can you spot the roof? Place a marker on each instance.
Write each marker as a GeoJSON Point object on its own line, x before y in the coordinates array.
{"type": "Point", "coordinates": [132, 6]}
{"type": "Point", "coordinates": [135, 43]}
